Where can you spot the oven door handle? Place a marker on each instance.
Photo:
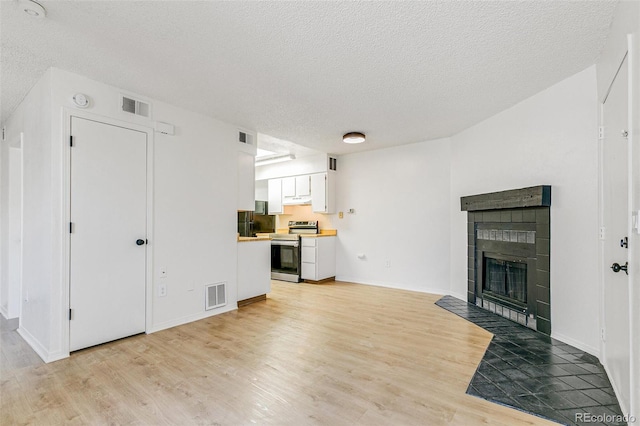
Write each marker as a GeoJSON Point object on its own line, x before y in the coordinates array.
{"type": "Point", "coordinates": [285, 243]}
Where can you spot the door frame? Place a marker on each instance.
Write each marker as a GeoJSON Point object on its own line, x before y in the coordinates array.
{"type": "Point", "coordinates": [634, 205]}
{"type": "Point", "coordinates": [67, 115]}
{"type": "Point", "coordinates": [16, 147]}
{"type": "Point", "coordinates": [632, 251]}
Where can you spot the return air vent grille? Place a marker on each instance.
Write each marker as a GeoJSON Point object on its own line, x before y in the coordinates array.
{"type": "Point", "coordinates": [215, 295]}
{"type": "Point", "coordinates": [134, 106]}
{"type": "Point", "coordinates": [245, 138]}
{"type": "Point", "coordinates": [333, 164]}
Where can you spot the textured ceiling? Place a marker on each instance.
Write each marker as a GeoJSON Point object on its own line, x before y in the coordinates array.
{"type": "Point", "coordinates": [308, 72]}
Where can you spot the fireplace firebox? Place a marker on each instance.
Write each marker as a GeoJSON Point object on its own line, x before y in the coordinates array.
{"type": "Point", "coordinates": [505, 279]}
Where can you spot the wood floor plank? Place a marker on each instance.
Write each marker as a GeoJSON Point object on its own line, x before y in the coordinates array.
{"type": "Point", "coordinates": [335, 354]}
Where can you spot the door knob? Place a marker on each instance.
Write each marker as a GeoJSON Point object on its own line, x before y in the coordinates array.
{"type": "Point", "coordinates": [139, 242]}
{"type": "Point", "coordinates": [617, 268]}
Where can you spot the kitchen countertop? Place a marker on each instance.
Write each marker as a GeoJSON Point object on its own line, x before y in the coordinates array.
{"type": "Point", "coordinates": [252, 239]}
{"type": "Point", "coordinates": [323, 233]}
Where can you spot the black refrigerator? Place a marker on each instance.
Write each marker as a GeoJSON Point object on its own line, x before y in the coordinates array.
{"type": "Point", "coordinates": [250, 223]}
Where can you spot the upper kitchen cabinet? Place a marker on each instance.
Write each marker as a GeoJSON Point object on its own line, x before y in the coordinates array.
{"type": "Point", "coordinates": [289, 187]}
{"type": "Point", "coordinates": [323, 192]}
{"type": "Point", "coordinates": [275, 196]}
{"type": "Point", "coordinates": [303, 185]}
{"type": "Point", "coordinates": [246, 170]}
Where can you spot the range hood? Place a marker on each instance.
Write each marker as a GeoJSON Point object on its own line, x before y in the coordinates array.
{"type": "Point", "coordinates": [295, 201]}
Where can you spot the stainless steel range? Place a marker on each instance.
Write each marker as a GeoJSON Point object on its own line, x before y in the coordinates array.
{"type": "Point", "coordinates": [285, 251]}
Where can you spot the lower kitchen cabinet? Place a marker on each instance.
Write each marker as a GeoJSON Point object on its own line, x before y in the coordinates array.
{"type": "Point", "coordinates": [318, 258]}
{"type": "Point", "coordinates": [254, 269]}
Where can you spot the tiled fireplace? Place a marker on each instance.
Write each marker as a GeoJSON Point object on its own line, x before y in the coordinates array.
{"type": "Point", "coordinates": [508, 254]}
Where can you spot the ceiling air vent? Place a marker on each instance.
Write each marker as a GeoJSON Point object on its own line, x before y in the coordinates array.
{"type": "Point", "coordinates": [215, 295]}
{"type": "Point", "coordinates": [134, 106]}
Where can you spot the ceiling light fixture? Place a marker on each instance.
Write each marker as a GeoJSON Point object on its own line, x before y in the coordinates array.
{"type": "Point", "coordinates": [274, 159]}
{"type": "Point", "coordinates": [32, 8]}
{"type": "Point", "coordinates": [353, 137]}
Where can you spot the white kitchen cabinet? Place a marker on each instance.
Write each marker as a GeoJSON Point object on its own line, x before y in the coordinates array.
{"type": "Point", "coordinates": [254, 269]}
{"type": "Point", "coordinates": [289, 186]}
{"type": "Point", "coordinates": [303, 185]}
{"type": "Point", "coordinates": [323, 192]}
{"type": "Point", "coordinates": [318, 258]}
{"type": "Point", "coordinates": [246, 181]}
{"type": "Point", "coordinates": [274, 187]}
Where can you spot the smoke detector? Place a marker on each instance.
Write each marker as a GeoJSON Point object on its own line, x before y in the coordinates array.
{"type": "Point", "coordinates": [33, 8]}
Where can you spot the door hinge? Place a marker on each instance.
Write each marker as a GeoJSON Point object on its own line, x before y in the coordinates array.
{"type": "Point", "coordinates": [69, 314]}
{"type": "Point", "coordinates": [70, 227]}
{"type": "Point", "coordinates": [70, 140]}
{"type": "Point", "coordinates": [601, 132]}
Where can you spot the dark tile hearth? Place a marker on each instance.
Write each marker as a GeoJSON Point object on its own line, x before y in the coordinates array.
{"type": "Point", "coordinates": [533, 372]}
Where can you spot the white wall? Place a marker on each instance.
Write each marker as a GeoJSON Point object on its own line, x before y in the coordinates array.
{"type": "Point", "coordinates": [33, 117]}
{"type": "Point", "coordinates": [550, 139]}
{"type": "Point", "coordinates": [194, 207]}
{"type": "Point", "coordinates": [401, 201]}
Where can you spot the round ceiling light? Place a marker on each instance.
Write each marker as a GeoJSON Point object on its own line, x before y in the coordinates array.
{"type": "Point", "coordinates": [32, 8]}
{"type": "Point", "coordinates": [353, 137]}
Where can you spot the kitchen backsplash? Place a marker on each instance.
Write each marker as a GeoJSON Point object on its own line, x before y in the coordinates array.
{"type": "Point", "coordinates": [303, 212]}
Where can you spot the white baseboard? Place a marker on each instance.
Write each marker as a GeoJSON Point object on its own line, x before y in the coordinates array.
{"type": "Point", "coordinates": [4, 312]}
{"type": "Point", "coordinates": [191, 318]}
{"type": "Point", "coordinates": [616, 390]}
{"type": "Point", "coordinates": [460, 296]}
{"type": "Point", "coordinates": [576, 343]}
{"type": "Point", "coordinates": [391, 285]}
{"type": "Point", "coordinates": [36, 345]}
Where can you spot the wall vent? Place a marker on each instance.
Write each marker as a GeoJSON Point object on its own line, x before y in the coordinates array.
{"type": "Point", "coordinates": [244, 137]}
{"type": "Point", "coordinates": [215, 295]}
{"type": "Point", "coordinates": [134, 106]}
{"type": "Point", "coordinates": [333, 164]}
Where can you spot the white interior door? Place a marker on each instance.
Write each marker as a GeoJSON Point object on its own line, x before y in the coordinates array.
{"type": "Point", "coordinates": [108, 215]}
{"type": "Point", "coordinates": [615, 216]}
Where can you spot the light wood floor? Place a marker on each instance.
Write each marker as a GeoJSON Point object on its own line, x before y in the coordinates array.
{"type": "Point", "coordinates": [310, 354]}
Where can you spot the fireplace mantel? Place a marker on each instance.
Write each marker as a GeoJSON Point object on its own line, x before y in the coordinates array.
{"type": "Point", "coordinates": [535, 196]}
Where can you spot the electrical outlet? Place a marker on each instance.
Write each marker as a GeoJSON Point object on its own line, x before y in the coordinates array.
{"type": "Point", "coordinates": [162, 290]}
{"type": "Point", "coordinates": [163, 272]}
{"type": "Point", "coordinates": [340, 215]}
{"type": "Point", "coordinates": [387, 264]}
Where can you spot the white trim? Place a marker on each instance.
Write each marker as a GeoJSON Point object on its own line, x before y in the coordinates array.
{"type": "Point", "coordinates": [632, 250]}
{"type": "Point", "coordinates": [616, 390]}
{"type": "Point", "coordinates": [21, 224]}
{"type": "Point", "coordinates": [601, 242]}
{"type": "Point", "coordinates": [4, 312]}
{"type": "Point", "coordinates": [576, 343]}
{"type": "Point", "coordinates": [39, 349]}
{"type": "Point", "coordinates": [67, 114]}
{"type": "Point", "coordinates": [191, 318]}
{"type": "Point", "coordinates": [392, 285]}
